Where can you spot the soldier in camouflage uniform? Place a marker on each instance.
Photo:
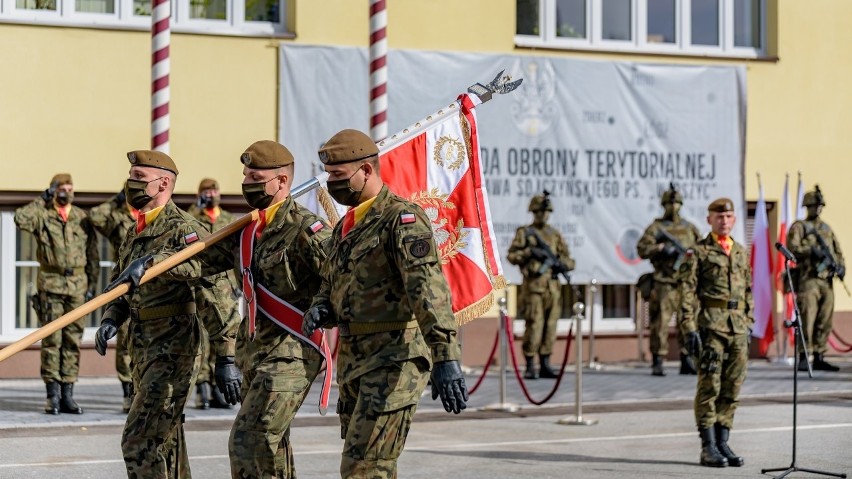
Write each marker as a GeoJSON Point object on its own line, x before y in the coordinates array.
{"type": "Point", "coordinates": [67, 252]}
{"type": "Point", "coordinates": [815, 290]}
{"type": "Point", "coordinates": [718, 277]}
{"type": "Point", "coordinates": [216, 295]}
{"type": "Point", "coordinates": [113, 219]}
{"type": "Point", "coordinates": [383, 287]}
{"type": "Point", "coordinates": [164, 326]}
{"type": "Point", "coordinates": [541, 290]}
{"type": "Point", "coordinates": [665, 297]}
{"type": "Point", "coordinates": [278, 367]}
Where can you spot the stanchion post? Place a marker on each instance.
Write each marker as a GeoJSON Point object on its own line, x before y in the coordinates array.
{"type": "Point", "coordinates": [578, 419]}
{"type": "Point", "coordinates": [594, 291]}
{"type": "Point", "coordinates": [504, 341]}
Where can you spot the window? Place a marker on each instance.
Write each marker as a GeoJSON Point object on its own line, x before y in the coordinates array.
{"type": "Point", "coordinates": [734, 28]}
{"type": "Point", "coordinates": [222, 17]}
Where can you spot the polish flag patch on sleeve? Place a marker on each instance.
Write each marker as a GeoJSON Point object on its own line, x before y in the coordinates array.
{"type": "Point", "coordinates": [407, 218]}
{"type": "Point", "coordinates": [191, 238]}
{"type": "Point", "coordinates": [316, 226]}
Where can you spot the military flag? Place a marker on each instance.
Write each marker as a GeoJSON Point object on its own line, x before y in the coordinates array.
{"type": "Point", "coordinates": [786, 223]}
{"type": "Point", "coordinates": [761, 276]}
{"type": "Point", "coordinates": [435, 163]}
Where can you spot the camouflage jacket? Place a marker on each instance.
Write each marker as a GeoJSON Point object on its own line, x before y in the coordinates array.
{"type": "Point", "coordinates": [685, 232]}
{"type": "Point", "coordinates": [520, 253]}
{"type": "Point", "coordinates": [225, 218]}
{"type": "Point", "coordinates": [169, 233]}
{"type": "Point", "coordinates": [802, 243]}
{"type": "Point", "coordinates": [287, 259]}
{"type": "Point", "coordinates": [112, 220]}
{"type": "Point", "coordinates": [387, 269]}
{"type": "Point", "coordinates": [712, 276]}
{"type": "Point", "coordinates": [67, 252]}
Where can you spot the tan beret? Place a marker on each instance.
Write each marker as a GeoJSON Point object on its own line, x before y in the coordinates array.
{"type": "Point", "coordinates": [154, 159]}
{"type": "Point", "coordinates": [208, 184]}
{"type": "Point", "coordinates": [61, 179]}
{"type": "Point", "coordinates": [721, 205]}
{"type": "Point", "coordinates": [347, 146]}
{"type": "Point", "coordinates": [267, 154]}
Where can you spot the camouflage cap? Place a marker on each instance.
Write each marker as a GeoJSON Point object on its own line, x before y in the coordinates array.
{"type": "Point", "coordinates": [347, 146]}
{"type": "Point", "coordinates": [153, 159]}
{"type": "Point", "coordinates": [61, 179]}
{"type": "Point", "coordinates": [267, 154]}
{"type": "Point", "coordinates": [208, 184]}
{"type": "Point", "coordinates": [540, 203]}
{"type": "Point", "coordinates": [814, 198]}
{"type": "Point", "coordinates": [671, 196]}
{"type": "Point", "coordinates": [721, 205]}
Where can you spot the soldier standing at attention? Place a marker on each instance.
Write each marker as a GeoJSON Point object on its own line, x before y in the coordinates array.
{"type": "Point", "coordinates": [164, 326]}
{"type": "Point", "coordinates": [818, 260]}
{"type": "Point", "coordinates": [665, 297]}
{"type": "Point", "coordinates": [282, 255]}
{"type": "Point", "coordinates": [67, 252]}
{"type": "Point", "coordinates": [383, 287]}
{"type": "Point", "coordinates": [718, 276]}
{"type": "Point", "coordinates": [541, 253]}
{"type": "Point", "coordinates": [215, 295]}
{"type": "Point", "coordinates": [113, 219]}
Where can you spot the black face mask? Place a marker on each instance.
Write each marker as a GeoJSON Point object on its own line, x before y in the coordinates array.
{"type": "Point", "coordinates": [64, 198]}
{"type": "Point", "coordinates": [256, 196]}
{"type": "Point", "coordinates": [208, 201]}
{"type": "Point", "coordinates": [136, 193]}
{"type": "Point", "coordinates": [342, 192]}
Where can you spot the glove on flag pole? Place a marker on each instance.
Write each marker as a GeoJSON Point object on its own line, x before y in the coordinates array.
{"type": "Point", "coordinates": [761, 276]}
{"type": "Point", "coordinates": [435, 163]}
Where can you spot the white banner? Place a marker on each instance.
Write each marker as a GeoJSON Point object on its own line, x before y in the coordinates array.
{"type": "Point", "coordinates": [604, 138]}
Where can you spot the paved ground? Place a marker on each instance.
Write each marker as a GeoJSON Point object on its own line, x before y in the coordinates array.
{"type": "Point", "coordinates": [645, 429]}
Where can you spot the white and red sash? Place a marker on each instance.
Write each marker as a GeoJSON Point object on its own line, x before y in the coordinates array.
{"type": "Point", "coordinates": [282, 313]}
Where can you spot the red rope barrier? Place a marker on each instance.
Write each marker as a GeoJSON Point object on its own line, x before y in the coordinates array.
{"type": "Point", "coordinates": [487, 363]}
{"type": "Point", "coordinates": [842, 341]}
{"type": "Point", "coordinates": [837, 347]}
{"type": "Point", "coordinates": [509, 335]}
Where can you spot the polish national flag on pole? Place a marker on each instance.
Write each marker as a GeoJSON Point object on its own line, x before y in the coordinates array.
{"type": "Point", "coordinates": [435, 163]}
{"type": "Point", "coordinates": [801, 213]}
{"type": "Point", "coordinates": [761, 275]}
{"type": "Point", "coordinates": [786, 223]}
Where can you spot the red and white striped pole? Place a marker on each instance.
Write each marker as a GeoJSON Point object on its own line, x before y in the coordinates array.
{"type": "Point", "coordinates": [160, 40]}
{"type": "Point", "coordinates": [378, 70]}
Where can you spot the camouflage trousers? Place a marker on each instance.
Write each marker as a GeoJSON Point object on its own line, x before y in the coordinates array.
{"type": "Point", "coordinates": [259, 445]}
{"type": "Point", "coordinates": [541, 312]}
{"type": "Point", "coordinates": [664, 303]}
{"type": "Point", "coordinates": [816, 304]}
{"type": "Point", "coordinates": [721, 373]}
{"type": "Point", "coordinates": [216, 298]}
{"type": "Point", "coordinates": [60, 352]}
{"type": "Point", "coordinates": [207, 361]}
{"type": "Point", "coordinates": [375, 413]}
{"type": "Point", "coordinates": [122, 354]}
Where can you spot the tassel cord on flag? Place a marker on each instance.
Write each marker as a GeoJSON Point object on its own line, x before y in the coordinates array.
{"type": "Point", "coordinates": [508, 326]}
{"type": "Point", "coordinates": [487, 363]}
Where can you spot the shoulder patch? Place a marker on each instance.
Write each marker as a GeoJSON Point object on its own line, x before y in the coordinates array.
{"type": "Point", "coordinates": [314, 227]}
{"type": "Point", "coordinates": [191, 238]}
{"type": "Point", "coordinates": [406, 218]}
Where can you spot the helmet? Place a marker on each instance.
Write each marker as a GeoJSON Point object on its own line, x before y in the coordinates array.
{"type": "Point", "coordinates": [671, 196]}
{"type": "Point", "coordinates": [541, 202]}
{"type": "Point", "coordinates": [814, 198]}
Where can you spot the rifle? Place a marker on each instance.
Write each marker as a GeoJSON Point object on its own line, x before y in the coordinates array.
{"type": "Point", "coordinates": [682, 251]}
{"type": "Point", "coordinates": [551, 261]}
{"type": "Point", "coordinates": [828, 261]}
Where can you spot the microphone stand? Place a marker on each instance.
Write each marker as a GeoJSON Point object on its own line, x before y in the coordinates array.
{"type": "Point", "coordinates": [800, 340]}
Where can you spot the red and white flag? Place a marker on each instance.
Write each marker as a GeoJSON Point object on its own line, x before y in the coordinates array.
{"type": "Point", "coordinates": [437, 166]}
{"type": "Point", "coordinates": [801, 212]}
{"type": "Point", "coordinates": [761, 276]}
{"type": "Point", "coordinates": [786, 223]}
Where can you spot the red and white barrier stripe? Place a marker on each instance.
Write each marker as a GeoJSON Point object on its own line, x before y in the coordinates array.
{"type": "Point", "coordinates": [378, 70]}
{"type": "Point", "coordinates": [160, 40]}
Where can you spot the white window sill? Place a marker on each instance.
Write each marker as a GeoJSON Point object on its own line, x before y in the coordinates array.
{"type": "Point", "coordinates": [582, 45]}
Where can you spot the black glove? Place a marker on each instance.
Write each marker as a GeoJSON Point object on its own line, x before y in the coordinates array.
{"type": "Point", "coordinates": [115, 314]}
{"type": "Point", "coordinates": [538, 253]}
{"type": "Point", "coordinates": [315, 318]}
{"type": "Point", "coordinates": [669, 251]}
{"type": "Point", "coordinates": [47, 195]}
{"type": "Point", "coordinates": [692, 342]}
{"type": "Point", "coordinates": [228, 378]}
{"type": "Point", "coordinates": [89, 295]}
{"type": "Point", "coordinates": [120, 199]}
{"type": "Point", "coordinates": [448, 382]}
{"type": "Point", "coordinates": [132, 274]}
{"type": "Point", "coordinates": [107, 331]}
{"type": "Point", "coordinates": [841, 272]}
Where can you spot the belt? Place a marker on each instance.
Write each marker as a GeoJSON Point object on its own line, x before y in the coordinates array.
{"type": "Point", "coordinates": [722, 304]}
{"type": "Point", "coordinates": [159, 312]}
{"type": "Point", "coordinates": [358, 328]}
{"type": "Point", "coordinates": [62, 271]}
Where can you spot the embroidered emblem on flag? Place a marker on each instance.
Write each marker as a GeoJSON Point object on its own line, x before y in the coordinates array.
{"type": "Point", "coordinates": [406, 218]}
{"type": "Point", "coordinates": [191, 238]}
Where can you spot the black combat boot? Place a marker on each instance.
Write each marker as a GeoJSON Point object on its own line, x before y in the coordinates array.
{"type": "Point", "coordinates": [202, 396]}
{"type": "Point", "coordinates": [657, 366]}
{"type": "Point", "coordinates": [218, 399]}
{"type": "Point", "coordinates": [710, 455]}
{"type": "Point", "coordinates": [687, 365]}
{"type": "Point", "coordinates": [51, 406]}
{"type": "Point", "coordinates": [127, 389]}
{"type": "Point", "coordinates": [530, 373]}
{"type": "Point", "coordinates": [820, 364]}
{"type": "Point", "coordinates": [722, 434]}
{"type": "Point", "coordinates": [545, 371]}
{"type": "Point", "coordinates": [67, 403]}
{"type": "Point", "coordinates": [803, 362]}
